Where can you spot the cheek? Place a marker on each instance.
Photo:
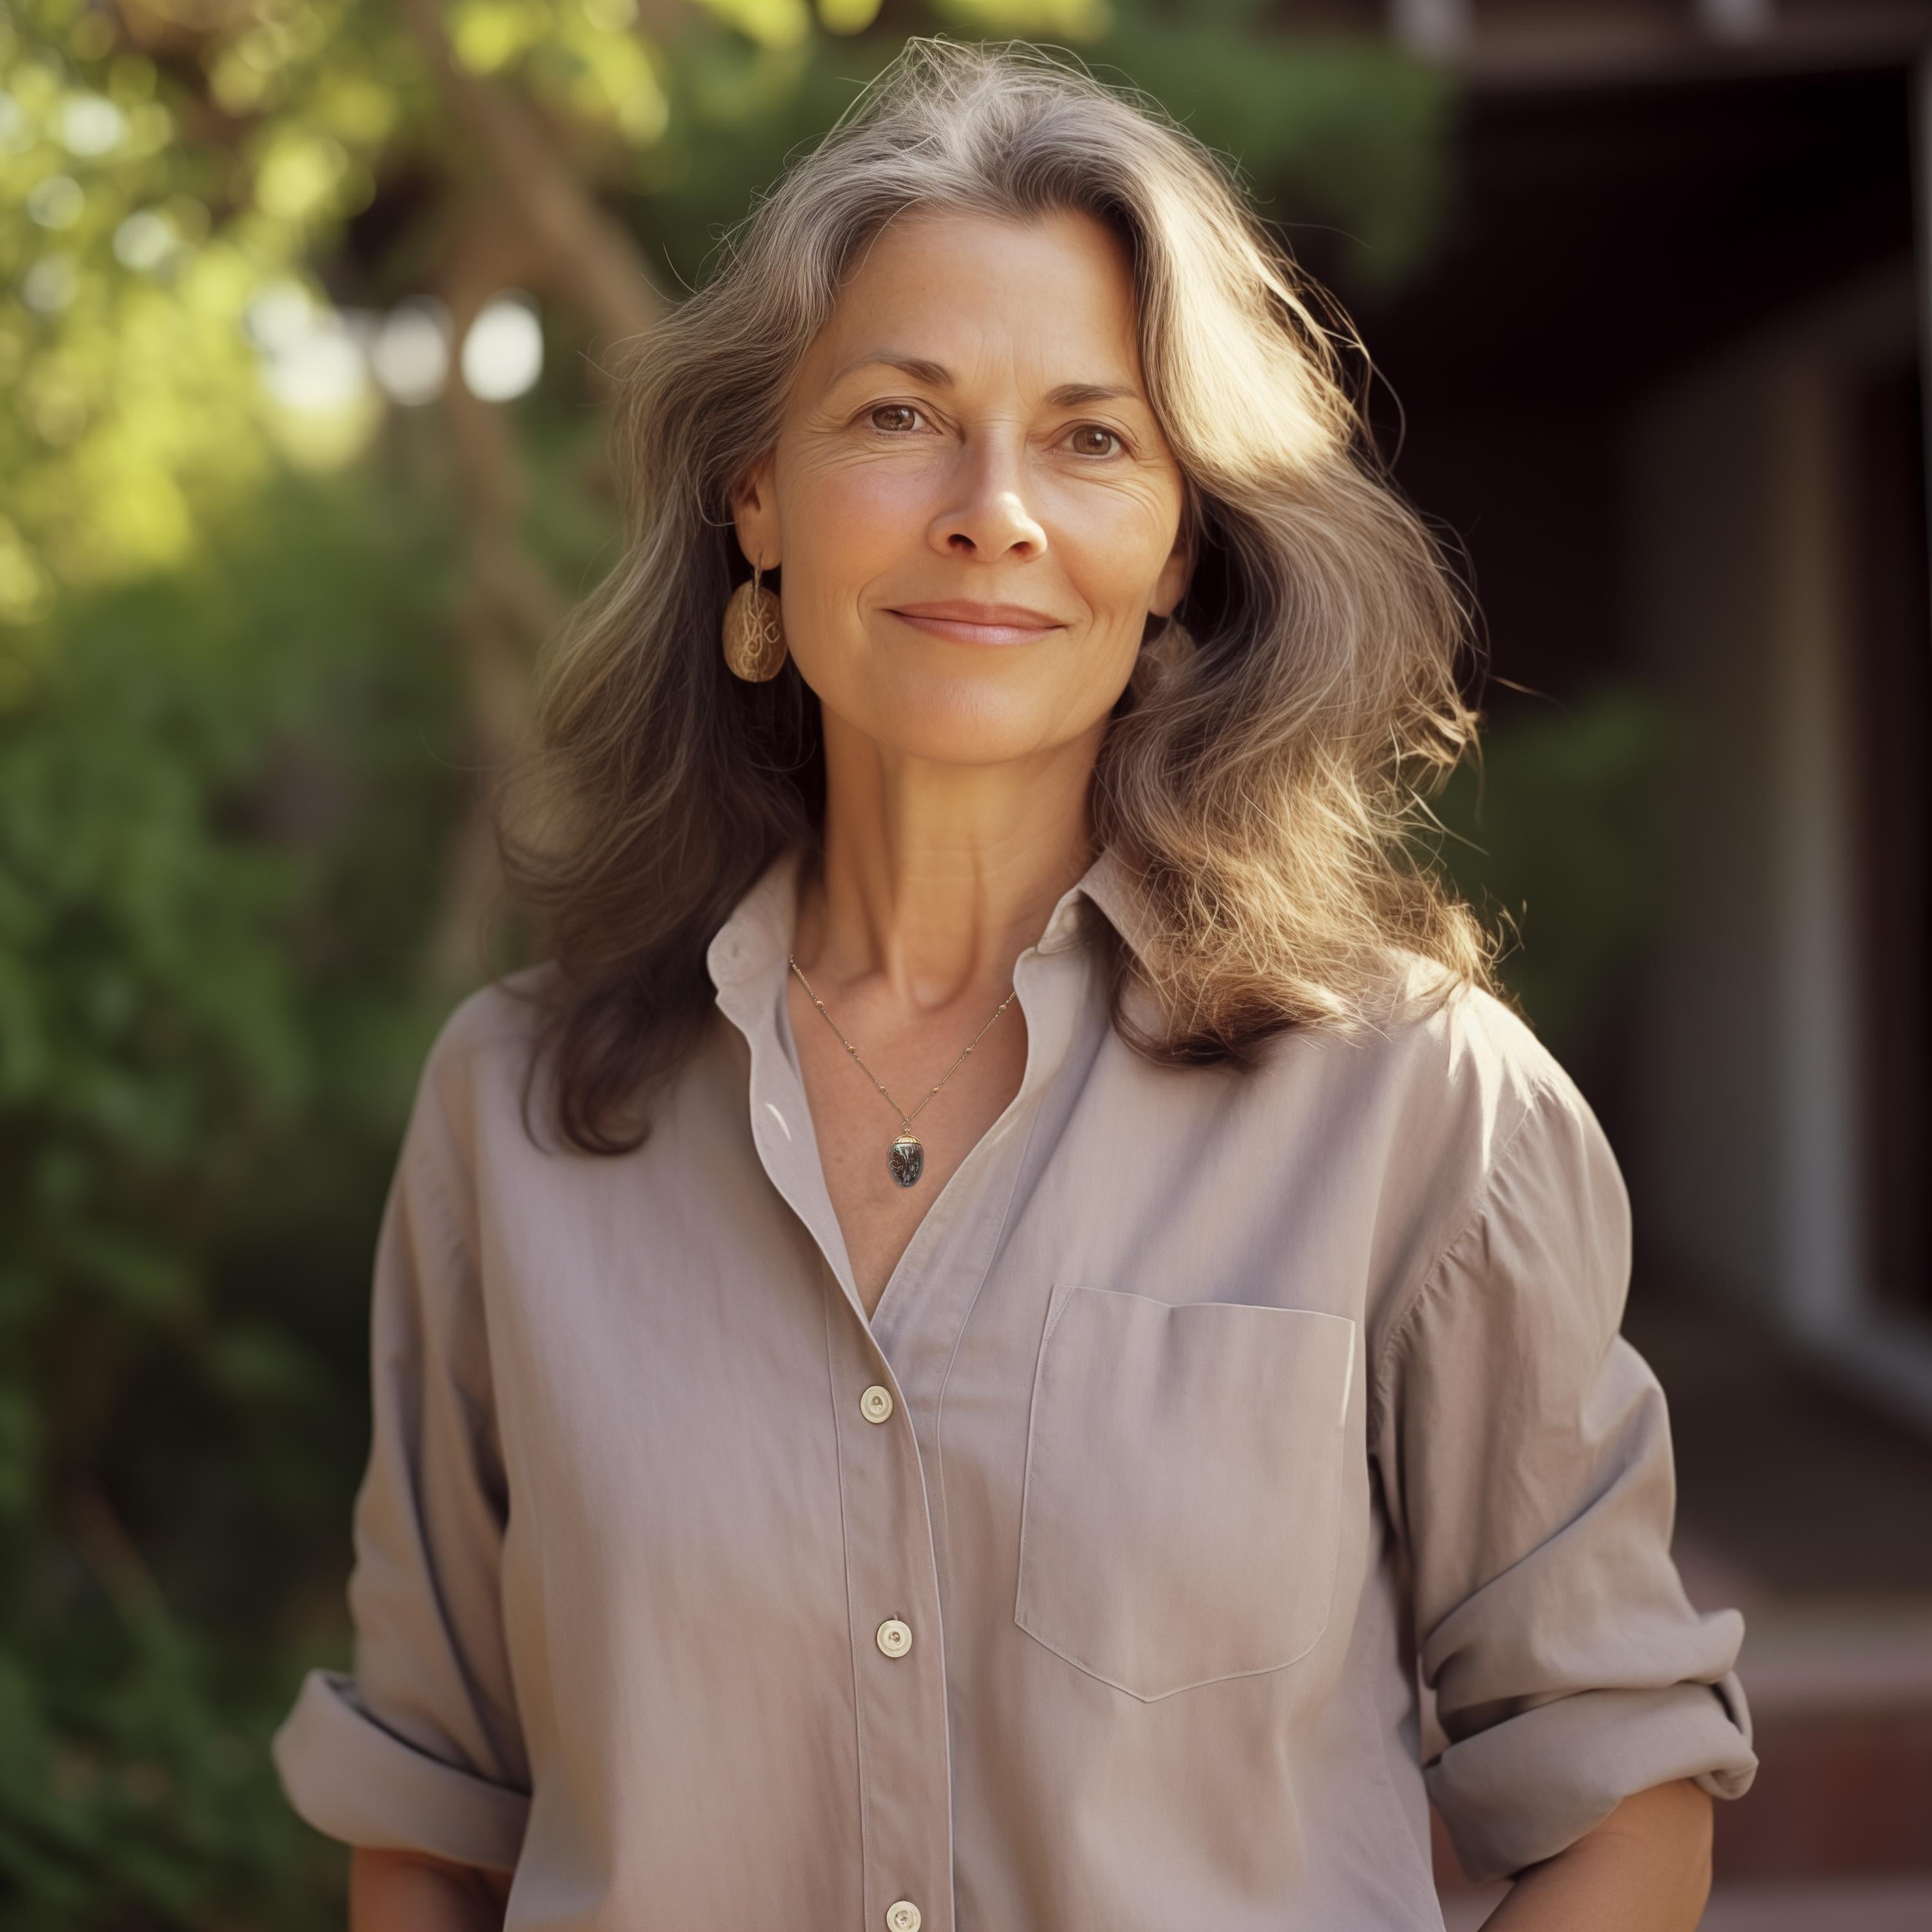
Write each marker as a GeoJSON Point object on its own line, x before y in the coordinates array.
{"type": "Point", "coordinates": [1113, 545]}
{"type": "Point", "coordinates": [849, 523]}
{"type": "Point", "coordinates": [1108, 663]}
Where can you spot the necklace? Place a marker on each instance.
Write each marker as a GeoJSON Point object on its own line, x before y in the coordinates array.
{"type": "Point", "coordinates": [905, 1157]}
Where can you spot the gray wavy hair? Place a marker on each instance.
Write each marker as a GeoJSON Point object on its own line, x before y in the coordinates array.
{"type": "Point", "coordinates": [1263, 774]}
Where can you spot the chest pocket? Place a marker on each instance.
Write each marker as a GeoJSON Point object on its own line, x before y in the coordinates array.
{"type": "Point", "coordinates": [1182, 1511]}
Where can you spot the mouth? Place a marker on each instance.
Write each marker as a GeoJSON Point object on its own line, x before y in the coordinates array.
{"type": "Point", "coordinates": [966, 623]}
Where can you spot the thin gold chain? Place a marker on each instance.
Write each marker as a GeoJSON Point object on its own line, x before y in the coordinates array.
{"type": "Point", "coordinates": [905, 1119]}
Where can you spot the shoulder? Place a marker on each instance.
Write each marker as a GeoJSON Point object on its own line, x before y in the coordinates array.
{"type": "Point", "coordinates": [1535, 1125]}
{"type": "Point", "coordinates": [1479, 1142]}
{"type": "Point", "coordinates": [1531, 1220]}
{"type": "Point", "coordinates": [1482, 1058]}
{"type": "Point", "coordinates": [1490, 1074]}
{"type": "Point", "coordinates": [501, 1019]}
{"type": "Point", "coordinates": [1475, 1028]}
{"type": "Point", "coordinates": [478, 1070]}
{"type": "Point", "coordinates": [1452, 1076]}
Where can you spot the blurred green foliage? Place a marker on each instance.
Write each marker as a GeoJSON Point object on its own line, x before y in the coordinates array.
{"type": "Point", "coordinates": [220, 812]}
{"type": "Point", "coordinates": [250, 653]}
{"type": "Point", "coordinates": [1557, 834]}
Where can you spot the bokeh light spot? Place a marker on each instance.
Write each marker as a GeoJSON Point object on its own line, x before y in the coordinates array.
{"type": "Point", "coordinates": [502, 353]}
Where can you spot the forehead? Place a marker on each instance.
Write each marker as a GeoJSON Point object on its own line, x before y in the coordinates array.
{"type": "Point", "coordinates": [1053, 296]}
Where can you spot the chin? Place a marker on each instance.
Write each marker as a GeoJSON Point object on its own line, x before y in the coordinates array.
{"type": "Point", "coordinates": [963, 721]}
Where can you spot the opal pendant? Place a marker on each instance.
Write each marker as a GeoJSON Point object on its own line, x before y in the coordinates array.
{"type": "Point", "coordinates": [908, 1159]}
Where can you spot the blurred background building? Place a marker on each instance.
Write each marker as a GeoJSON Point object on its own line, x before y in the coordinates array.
{"type": "Point", "coordinates": [1665, 378]}
{"type": "Point", "coordinates": [302, 308]}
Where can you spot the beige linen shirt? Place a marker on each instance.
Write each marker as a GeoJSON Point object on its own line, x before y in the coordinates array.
{"type": "Point", "coordinates": [1085, 1588]}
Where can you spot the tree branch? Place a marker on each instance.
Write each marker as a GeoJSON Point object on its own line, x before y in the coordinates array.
{"type": "Point", "coordinates": [588, 253]}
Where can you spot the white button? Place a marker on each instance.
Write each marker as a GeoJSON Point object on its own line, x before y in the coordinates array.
{"type": "Point", "coordinates": [902, 1915]}
{"type": "Point", "coordinates": [876, 1404]}
{"type": "Point", "coordinates": [895, 1638]}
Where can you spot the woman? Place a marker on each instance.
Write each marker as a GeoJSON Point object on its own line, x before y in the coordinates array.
{"type": "Point", "coordinates": [964, 1352]}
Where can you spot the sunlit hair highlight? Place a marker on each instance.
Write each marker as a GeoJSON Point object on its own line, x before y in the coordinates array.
{"type": "Point", "coordinates": [1263, 776]}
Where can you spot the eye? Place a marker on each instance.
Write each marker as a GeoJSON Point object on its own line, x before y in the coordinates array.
{"type": "Point", "coordinates": [1095, 430]}
{"type": "Point", "coordinates": [904, 411]}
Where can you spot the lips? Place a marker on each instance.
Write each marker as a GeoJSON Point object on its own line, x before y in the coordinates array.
{"type": "Point", "coordinates": [966, 623]}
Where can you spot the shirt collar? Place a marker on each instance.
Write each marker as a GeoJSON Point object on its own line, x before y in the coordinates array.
{"type": "Point", "coordinates": [747, 963]}
{"type": "Point", "coordinates": [753, 942]}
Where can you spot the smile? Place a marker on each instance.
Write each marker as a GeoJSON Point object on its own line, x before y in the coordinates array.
{"type": "Point", "coordinates": [966, 623]}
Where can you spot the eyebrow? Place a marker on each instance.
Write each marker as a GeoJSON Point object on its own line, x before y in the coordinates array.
{"type": "Point", "coordinates": [937, 376]}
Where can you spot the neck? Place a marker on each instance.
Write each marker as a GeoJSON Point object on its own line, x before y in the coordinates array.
{"type": "Point", "coordinates": [935, 878]}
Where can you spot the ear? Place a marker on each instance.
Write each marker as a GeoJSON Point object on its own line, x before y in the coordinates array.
{"type": "Point", "coordinates": [754, 510]}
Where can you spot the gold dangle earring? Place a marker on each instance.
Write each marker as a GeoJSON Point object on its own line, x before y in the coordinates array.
{"type": "Point", "coordinates": [754, 638]}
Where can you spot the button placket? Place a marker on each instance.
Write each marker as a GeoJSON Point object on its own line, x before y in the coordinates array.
{"type": "Point", "coordinates": [905, 1753]}
{"type": "Point", "coordinates": [904, 1749]}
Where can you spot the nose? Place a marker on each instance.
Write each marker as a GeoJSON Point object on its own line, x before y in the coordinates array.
{"type": "Point", "coordinates": [989, 516]}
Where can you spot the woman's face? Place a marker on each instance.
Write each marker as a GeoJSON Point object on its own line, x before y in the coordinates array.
{"type": "Point", "coordinates": [972, 505]}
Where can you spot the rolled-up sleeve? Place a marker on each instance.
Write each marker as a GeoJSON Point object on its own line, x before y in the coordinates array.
{"type": "Point", "coordinates": [419, 1748]}
{"type": "Point", "coordinates": [1524, 1454]}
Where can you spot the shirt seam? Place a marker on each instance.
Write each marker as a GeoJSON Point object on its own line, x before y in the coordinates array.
{"type": "Point", "coordinates": [464, 1253]}
{"type": "Point", "coordinates": [1419, 1296]}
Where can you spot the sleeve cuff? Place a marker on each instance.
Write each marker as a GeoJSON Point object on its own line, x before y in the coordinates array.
{"type": "Point", "coordinates": [353, 1780]}
{"type": "Point", "coordinates": [1523, 1790]}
